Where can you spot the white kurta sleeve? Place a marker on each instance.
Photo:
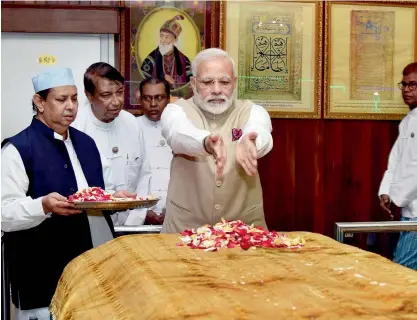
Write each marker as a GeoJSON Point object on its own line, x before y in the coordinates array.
{"type": "Point", "coordinates": [18, 211]}
{"type": "Point", "coordinates": [260, 122]}
{"type": "Point", "coordinates": [109, 184]}
{"type": "Point", "coordinates": [387, 179]}
{"type": "Point", "coordinates": [404, 190]}
{"type": "Point", "coordinates": [137, 216]}
{"type": "Point", "coordinates": [144, 183]}
{"type": "Point", "coordinates": [181, 135]}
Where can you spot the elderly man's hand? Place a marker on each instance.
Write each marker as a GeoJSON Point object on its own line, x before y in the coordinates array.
{"type": "Point", "coordinates": [124, 194]}
{"type": "Point", "coordinates": [246, 153]}
{"type": "Point", "coordinates": [215, 146]}
{"type": "Point", "coordinates": [56, 203]}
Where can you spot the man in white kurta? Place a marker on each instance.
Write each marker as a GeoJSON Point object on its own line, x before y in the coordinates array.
{"type": "Point", "coordinates": [400, 180]}
{"type": "Point", "coordinates": [217, 141]}
{"type": "Point", "coordinates": [154, 97]}
{"type": "Point", "coordinates": [117, 135]}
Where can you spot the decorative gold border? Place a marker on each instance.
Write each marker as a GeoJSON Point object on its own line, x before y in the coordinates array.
{"type": "Point", "coordinates": [327, 59]}
{"type": "Point", "coordinates": [318, 60]}
{"type": "Point", "coordinates": [222, 25]}
{"type": "Point", "coordinates": [122, 39]}
{"type": "Point", "coordinates": [213, 6]}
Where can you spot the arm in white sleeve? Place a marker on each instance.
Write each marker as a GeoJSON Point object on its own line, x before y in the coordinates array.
{"type": "Point", "coordinates": [387, 179]}
{"type": "Point", "coordinates": [144, 183]}
{"type": "Point", "coordinates": [404, 180]}
{"type": "Point", "coordinates": [109, 184]}
{"type": "Point", "coordinates": [18, 211]}
{"type": "Point", "coordinates": [181, 135]}
{"type": "Point", "coordinates": [137, 216]}
{"type": "Point", "coordinates": [404, 191]}
{"type": "Point", "coordinates": [259, 122]}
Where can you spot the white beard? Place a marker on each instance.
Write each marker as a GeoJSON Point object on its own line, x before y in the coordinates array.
{"type": "Point", "coordinates": [165, 48]}
{"type": "Point", "coordinates": [212, 107]}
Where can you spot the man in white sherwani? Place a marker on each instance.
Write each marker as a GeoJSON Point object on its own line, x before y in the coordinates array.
{"type": "Point", "coordinates": [117, 135]}
{"type": "Point", "coordinates": [400, 179]}
{"type": "Point", "coordinates": [217, 141]}
{"type": "Point", "coordinates": [154, 97]}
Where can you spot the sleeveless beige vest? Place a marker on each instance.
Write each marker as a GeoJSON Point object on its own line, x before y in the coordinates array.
{"type": "Point", "coordinates": [196, 196]}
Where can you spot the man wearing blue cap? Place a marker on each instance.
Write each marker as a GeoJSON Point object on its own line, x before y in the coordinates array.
{"type": "Point", "coordinates": [41, 166]}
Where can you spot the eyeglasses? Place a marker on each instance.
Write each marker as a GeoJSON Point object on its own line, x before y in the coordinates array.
{"type": "Point", "coordinates": [207, 82]}
{"type": "Point", "coordinates": [157, 98]}
{"type": "Point", "coordinates": [411, 85]}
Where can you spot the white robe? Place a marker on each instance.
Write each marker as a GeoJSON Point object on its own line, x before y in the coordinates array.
{"type": "Point", "coordinates": [121, 143]}
{"type": "Point", "coordinates": [160, 156]}
{"type": "Point", "coordinates": [403, 189]}
{"type": "Point", "coordinates": [400, 178]}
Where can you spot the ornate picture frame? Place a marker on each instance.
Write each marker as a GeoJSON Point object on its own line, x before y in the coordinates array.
{"type": "Point", "coordinates": [367, 45]}
{"type": "Point", "coordinates": [277, 47]}
{"type": "Point", "coordinates": [195, 27]}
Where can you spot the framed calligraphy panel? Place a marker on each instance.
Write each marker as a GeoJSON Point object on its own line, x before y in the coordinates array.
{"type": "Point", "coordinates": [367, 45]}
{"type": "Point", "coordinates": [278, 51]}
{"type": "Point", "coordinates": [160, 39]}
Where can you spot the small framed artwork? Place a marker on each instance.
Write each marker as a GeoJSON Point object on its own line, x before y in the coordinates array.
{"type": "Point", "coordinates": [160, 40]}
{"type": "Point", "coordinates": [367, 46]}
{"type": "Point", "coordinates": [277, 47]}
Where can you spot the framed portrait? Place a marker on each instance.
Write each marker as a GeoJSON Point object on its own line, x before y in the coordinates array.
{"type": "Point", "coordinates": [160, 40]}
{"type": "Point", "coordinates": [367, 46]}
{"type": "Point", "coordinates": [277, 47]}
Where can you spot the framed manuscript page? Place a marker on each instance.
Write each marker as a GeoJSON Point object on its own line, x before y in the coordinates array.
{"type": "Point", "coordinates": [367, 46]}
{"type": "Point", "coordinates": [277, 48]}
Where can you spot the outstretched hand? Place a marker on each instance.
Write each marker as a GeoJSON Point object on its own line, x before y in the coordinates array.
{"type": "Point", "coordinates": [215, 146]}
{"type": "Point", "coordinates": [247, 154]}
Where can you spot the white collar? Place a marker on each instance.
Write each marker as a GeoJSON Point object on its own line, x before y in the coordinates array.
{"type": "Point", "coordinates": [155, 124]}
{"type": "Point", "coordinates": [107, 126]}
{"type": "Point", "coordinates": [59, 137]}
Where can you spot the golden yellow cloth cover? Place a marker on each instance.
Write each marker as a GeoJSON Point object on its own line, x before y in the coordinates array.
{"type": "Point", "coordinates": [149, 277]}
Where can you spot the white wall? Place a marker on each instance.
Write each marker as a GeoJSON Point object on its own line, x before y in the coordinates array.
{"type": "Point", "coordinates": [19, 63]}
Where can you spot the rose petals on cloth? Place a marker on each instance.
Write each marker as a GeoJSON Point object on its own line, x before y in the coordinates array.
{"type": "Point", "coordinates": [229, 234]}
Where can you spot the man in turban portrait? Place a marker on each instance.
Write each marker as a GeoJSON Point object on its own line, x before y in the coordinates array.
{"type": "Point", "coordinates": [166, 61]}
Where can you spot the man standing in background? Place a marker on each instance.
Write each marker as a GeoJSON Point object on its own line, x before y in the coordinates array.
{"type": "Point", "coordinates": [399, 183]}
{"type": "Point", "coordinates": [117, 135]}
{"type": "Point", "coordinates": [154, 97]}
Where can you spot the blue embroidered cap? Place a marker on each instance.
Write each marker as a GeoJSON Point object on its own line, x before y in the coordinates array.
{"type": "Point", "coordinates": [53, 77]}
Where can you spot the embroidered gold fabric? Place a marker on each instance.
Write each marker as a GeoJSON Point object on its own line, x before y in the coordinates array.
{"type": "Point", "coordinates": [150, 277]}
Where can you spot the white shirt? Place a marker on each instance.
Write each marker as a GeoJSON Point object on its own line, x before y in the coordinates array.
{"type": "Point", "coordinates": [185, 138]}
{"type": "Point", "coordinates": [121, 143]}
{"type": "Point", "coordinates": [20, 212]}
{"type": "Point", "coordinates": [403, 186]}
{"type": "Point", "coordinates": [160, 156]}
